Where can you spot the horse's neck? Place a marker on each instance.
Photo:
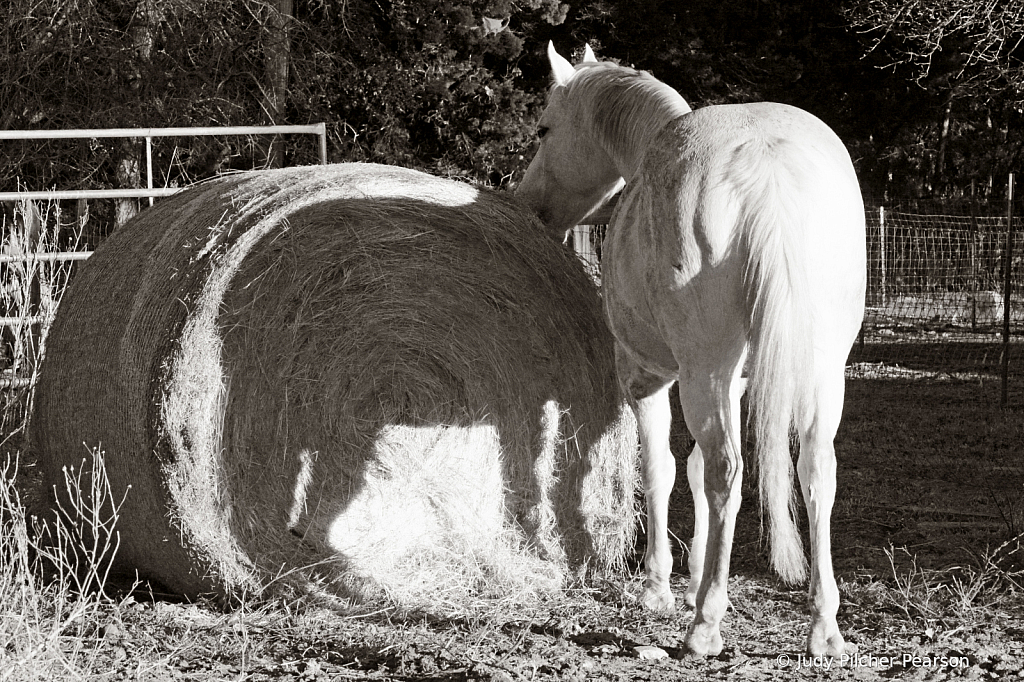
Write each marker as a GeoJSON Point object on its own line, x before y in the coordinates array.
{"type": "Point", "coordinates": [628, 118]}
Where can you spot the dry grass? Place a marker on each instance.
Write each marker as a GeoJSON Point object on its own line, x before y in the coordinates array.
{"type": "Point", "coordinates": [30, 291]}
{"type": "Point", "coordinates": [959, 595]}
{"type": "Point", "coordinates": [52, 590]}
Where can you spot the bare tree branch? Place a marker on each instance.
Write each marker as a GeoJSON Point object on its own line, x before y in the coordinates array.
{"type": "Point", "coordinates": [976, 44]}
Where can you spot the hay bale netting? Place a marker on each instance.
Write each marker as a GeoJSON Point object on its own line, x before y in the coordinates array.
{"type": "Point", "coordinates": [346, 375]}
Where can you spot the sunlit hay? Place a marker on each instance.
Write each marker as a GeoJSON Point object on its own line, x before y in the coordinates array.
{"type": "Point", "coordinates": [352, 380]}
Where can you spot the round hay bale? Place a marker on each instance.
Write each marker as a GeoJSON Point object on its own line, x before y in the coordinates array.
{"type": "Point", "coordinates": [339, 377]}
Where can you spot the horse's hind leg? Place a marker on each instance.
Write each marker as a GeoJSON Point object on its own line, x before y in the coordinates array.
{"type": "Point", "coordinates": [699, 543]}
{"type": "Point", "coordinates": [648, 395]}
{"type": "Point", "coordinates": [712, 410]}
{"type": "Point", "coordinates": [816, 468]}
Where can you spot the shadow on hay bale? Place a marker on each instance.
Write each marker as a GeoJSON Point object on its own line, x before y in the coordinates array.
{"type": "Point", "coordinates": [342, 378]}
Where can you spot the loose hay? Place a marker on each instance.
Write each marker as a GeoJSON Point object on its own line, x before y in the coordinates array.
{"type": "Point", "coordinates": [345, 378]}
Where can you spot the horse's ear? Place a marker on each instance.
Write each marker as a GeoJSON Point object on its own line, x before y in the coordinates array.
{"type": "Point", "coordinates": [561, 69]}
{"type": "Point", "coordinates": [588, 54]}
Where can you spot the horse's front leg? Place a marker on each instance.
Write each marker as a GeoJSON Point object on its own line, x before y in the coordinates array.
{"type": "Point", "coordinates": [648, 396]}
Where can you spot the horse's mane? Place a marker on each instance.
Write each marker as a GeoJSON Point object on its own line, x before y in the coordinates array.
{"type": "Point", "coordinates": [627, 106]}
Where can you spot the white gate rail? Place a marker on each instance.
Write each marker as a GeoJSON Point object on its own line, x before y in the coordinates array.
{"type": "Point", "coordinates": [318, 129]}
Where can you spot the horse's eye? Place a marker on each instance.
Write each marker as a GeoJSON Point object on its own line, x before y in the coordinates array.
{"type": "Point", "coordinates": [542, 131]}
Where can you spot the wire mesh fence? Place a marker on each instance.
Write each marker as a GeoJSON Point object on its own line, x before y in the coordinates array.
{"type": "Point", "coordinates": [935, 294]}
{"type": "Point", "coordinates": [939, 272]}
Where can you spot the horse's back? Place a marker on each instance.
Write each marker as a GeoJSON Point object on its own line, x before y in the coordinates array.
{"type": "Point", "coordinates": [714, 130]}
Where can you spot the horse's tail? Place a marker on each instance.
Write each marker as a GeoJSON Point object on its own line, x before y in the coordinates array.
{"type": "Point", "coordinates": [780, 367]}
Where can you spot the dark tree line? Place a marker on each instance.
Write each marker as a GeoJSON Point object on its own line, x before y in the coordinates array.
{"type": "Point", "coordinates": [926, 94]}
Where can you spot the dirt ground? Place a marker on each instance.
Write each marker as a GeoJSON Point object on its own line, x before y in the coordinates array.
{"type": "Point", "coordinates": [930, 498]}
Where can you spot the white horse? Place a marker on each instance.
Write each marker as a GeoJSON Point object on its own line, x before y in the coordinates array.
{"type": "Point", "coordinates": [740, 230]}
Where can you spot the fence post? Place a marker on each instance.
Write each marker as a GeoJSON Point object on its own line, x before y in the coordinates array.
{"type": "Point", "coordinates": [583, 245]}
{"type": "Point", "coordinates": [149, 165]}
{"type": "Point", "coordinates": [973, 254]}
{"type": "Point", "coordinates": [321, 132]}
{"type": "Point", "coordinates": [81, 215]}
{"type": "Point", "coordinates": [1008, 264]}
{"type": "Point", "coordinates": [881, 251]}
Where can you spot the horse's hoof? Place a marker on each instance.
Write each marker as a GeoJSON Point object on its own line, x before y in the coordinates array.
{"type": "Point", "coordinates": [659, 601]}
{"type": "Point", "coordinates": [831, 644]}
{"type": "Point", "coordinates": [703, 640]}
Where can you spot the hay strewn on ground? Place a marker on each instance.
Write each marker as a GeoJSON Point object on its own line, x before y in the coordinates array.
{"type": "Point", "coordinates": [346, 377]}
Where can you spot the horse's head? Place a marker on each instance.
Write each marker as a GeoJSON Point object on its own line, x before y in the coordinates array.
{"type": "Point", "coordinates": [572, 174]}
